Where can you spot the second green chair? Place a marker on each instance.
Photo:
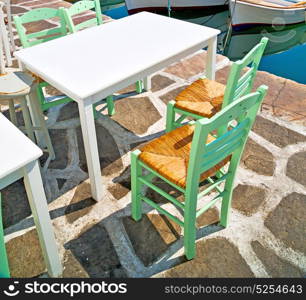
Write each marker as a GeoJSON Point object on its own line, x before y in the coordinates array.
{"type": "Point", "coordinates": [205, 97]}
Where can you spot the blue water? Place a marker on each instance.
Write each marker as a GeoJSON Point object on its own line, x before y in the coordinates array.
{"type": "Point", "coordinates": [117, 13]}
{"type": "Point", "coordinates": [289, 64]}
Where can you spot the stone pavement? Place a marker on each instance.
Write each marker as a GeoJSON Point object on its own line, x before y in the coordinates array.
{"type": "Point", "coordinates": [266, 236]}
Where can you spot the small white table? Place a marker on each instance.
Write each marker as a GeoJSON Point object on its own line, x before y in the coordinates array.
{"type": "Point", "coordinates": [18, 159]}
{"type": "Point", "coordinates": [94, 63]}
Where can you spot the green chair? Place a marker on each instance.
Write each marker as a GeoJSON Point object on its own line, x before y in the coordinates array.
{"type": "Point", "coordinates": [4, 266]}
{"type": "Point", "coordinates": [78, 8]}
{"type": "Point", "coordinates": [35, 38]}
{"type": "Point", "coordinates": [205, 97]}
{"type": "Point", "coordinates": [188, 155]}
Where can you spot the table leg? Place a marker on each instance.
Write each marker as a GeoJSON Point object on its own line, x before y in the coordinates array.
{"type": "Point", "coordinates": [147, 84]}
{"type": "Point", "coordinates": [91, 149]}
{"type": "Point", "coordinates": [211, 58]}
{"type": "Point", "coordinates": [38, 203]}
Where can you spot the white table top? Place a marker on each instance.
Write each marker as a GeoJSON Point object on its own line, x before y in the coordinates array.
{"type": "Point", "coordinates": [16, 150]}
{"type": "Point", "coordinates": [97, 61]}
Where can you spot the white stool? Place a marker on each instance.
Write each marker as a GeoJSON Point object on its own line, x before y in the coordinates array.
{"type": "Point", "coordinates": [16, 86]}
{"type": "Point", "coordinates": [19, 159]}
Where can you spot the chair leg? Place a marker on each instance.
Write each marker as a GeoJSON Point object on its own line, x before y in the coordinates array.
{"type": "Point", "coordinates": [27, 118]}
{"type": "Point", "coordinates": [139, 87]}
{"type": "Point", "coordinates": [12, 112]}
{"type": "Point", "coordinates": [110, 105]}
{"type": "Point", "coordinates": [4, 266]}
{"type": "Point", "coordinates": [136, 186]}
{"type": "Point", "coordinates": [190, 221]}
{"type": "Point", "coordinates": [170, 116]}
{"type": "Point", "coordinates": [226, 201]}
{"type": "Point", "coordinates": [41, 97]}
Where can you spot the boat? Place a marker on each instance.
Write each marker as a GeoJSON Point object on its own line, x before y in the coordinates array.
{"type": "Point", "coordinates": [246, 14]}
{"type": "Point", "coordinates": [190, 7]}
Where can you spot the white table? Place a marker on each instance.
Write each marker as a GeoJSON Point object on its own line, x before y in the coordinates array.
{"type": "Point", "coordinates": [18, 159]}
{"type": "Point", "coordinates": [92, 64]}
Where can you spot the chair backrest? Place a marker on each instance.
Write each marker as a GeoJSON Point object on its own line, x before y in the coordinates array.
{"type": "Point", "coordinates": [239, 84]}
{"type": "Point", "coordinates": [80, 7]}
{"type": "Point", "coordinates": [230, 142]}
{"type": "Point", "coordinates": [4, 267]}
{"type": "Point", "coordinates": [5, 49]}
{"type": "Point", "coordinates": [35, 15]}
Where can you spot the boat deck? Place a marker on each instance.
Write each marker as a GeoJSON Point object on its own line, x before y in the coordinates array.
{"type": "Point", "coordinates": [277, 3]}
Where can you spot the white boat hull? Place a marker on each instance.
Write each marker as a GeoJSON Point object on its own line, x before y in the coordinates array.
{"type": "Point", "coordinates": [246, 15]}
{"type": "Point", "coordinates": [134, 6]}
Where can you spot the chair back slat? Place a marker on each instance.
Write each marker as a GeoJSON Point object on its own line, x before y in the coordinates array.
{"type": "Point", "coordinates": [78, 8]}
{"type": "Point", "coordinates": [238, 83]}
{"type": "Point", "coordinates": [35, 15]}
{"type": "Point", "coordinates": [224, 146]}
{"type": "Point", "coordinates": [230, 139]}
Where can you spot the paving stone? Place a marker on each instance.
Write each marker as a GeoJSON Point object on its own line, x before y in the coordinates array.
{"type": "Point", "coordinates": [275, 266]}
{"type": "Point", "coordinates": [61, 148]}
{"type": "Point", "coordinates": [159, 82]}
{"type": "Point", "coordinates": [276, 134]}
{"type": "Point", "coordinates": [258, 159]}
{"type": "Point", "coordinates": [52, 91]}
{"type": "Point", "coordinates": [211, 216]}
{"type": "Point", "coordinates": [292, 97]}
{"type": "Point", "coordinates": [29, 261]}
{"type": "Point", "coordinates": [72, 268]}
{"type": "Point", "coordinates": [14, 203]}
{"type": "Point", "coordinates": [296, 167]}
{"type": "Point", "coordinates": [191, 66]}
{"type": "Point", "coordinates": [81, 203]}
{"type": "Point", "coordinates": [110, 157]}
{"type": "Point", "coordinates": [172, 94]}
{"type": "Point", "coordinates": [289, 116]}
{"type": "Point", "coordinates": [122, 184]}
{"type": "Point", "coordinates": [136, 114]}
{"type": "Point", "coordinates": [38, 26]}
{"type": "Point", "coordinates": [288, 223]}
{"type": "Point", "coordinates": [15, 10]}
{"type": "Point", "coordinates": [156, 197]}
{"type": "Point", "coordinates": [215, 258]}
{"type": "Point", "coordinates": [60, 182]}
{"type": "Point", "coordinates": [275, 84]}
{"type": "Point", "coordinates": [247, 199]}
{"type": "Point", "coordinates": [151, 236]}
{"type": "Point", "coordinates": [95, 252]}
{"type": "Point", "coordinates": [69, 111]}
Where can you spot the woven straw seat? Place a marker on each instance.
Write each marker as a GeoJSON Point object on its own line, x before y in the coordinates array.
{"type": "Point", "coordinates": [203, 97]}
{"type": "Point", "coordinates": [169, 155]}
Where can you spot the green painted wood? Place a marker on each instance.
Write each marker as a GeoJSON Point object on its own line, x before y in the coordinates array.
{"type": "Point", "coordinates": [39, 37]}
{"type": "Point", "coordinates": [78, 8]}
{"type": "Point", "coordinates": [238, 83]}
{"type": "Point", "coordinates": [39, 14]}
{"type": "Point", "coordinates": [161, 192]}
{"type": "Point", "coordinates": [4, 266]}
{"type": "Point", "coordinates": [230, 141]}
{"type": "Point", "coordinates": [161, 210]}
